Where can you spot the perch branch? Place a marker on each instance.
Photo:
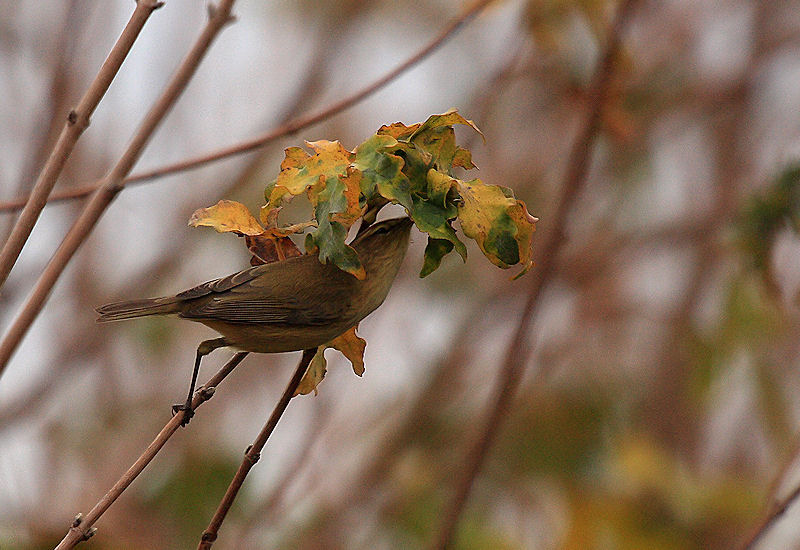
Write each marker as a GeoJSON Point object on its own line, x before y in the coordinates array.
{"type": "Point", "coordinates": [253, 453]}
{"type": "Point", "coordinates": [82, 527]}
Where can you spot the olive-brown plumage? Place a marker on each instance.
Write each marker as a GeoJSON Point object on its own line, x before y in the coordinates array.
{"type": "Point", "coordinates": [295, 304]}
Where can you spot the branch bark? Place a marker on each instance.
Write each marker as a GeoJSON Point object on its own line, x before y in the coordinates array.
{"type": "Point", "coordinates": [77, 121]}
{"type": "Point", "coordinates": [253, 453]}
{"type": "Point", "coordinates": [82, 528]}
{"type": "Point", "coordinates": [112, 183]}
{"type": "Point", "coordinates": [287, 129]}
{"type": "Point", "coordinates": [519, 350]}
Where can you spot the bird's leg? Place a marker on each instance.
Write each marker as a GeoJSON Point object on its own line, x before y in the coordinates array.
{"type": "Point", "coordinates": [205, 347]}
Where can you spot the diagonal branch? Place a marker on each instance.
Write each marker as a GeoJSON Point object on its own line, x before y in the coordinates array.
{"type": "Point", "coordinates": [77, 122]}
{"type": "Point", "coordinates": [519, 350]}
{"type": "Point", "coordinates": [253, 453]}
{"type": "Point", "coordinates": [287, 129]}
{"type": "Point", "coordinates": [82, 528]}
{"type": "Point", "coordinates": [112, 183]}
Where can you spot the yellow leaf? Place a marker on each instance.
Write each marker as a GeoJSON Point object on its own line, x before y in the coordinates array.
{"type": "Point", "coordinates": [499, 223]}
{"type": "Point", "coordinates": [227, 216]}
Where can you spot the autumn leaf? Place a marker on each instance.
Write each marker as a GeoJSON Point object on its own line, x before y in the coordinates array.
{"type": "Point", "coordinates": [348, 344]}
{"type": "Point", "coordinates": [398, 130]}
{"type": "Point", "coordinates": [314, 374]}
{"type": "Point", "coordinates": [227, 217]}
{"type": "Point", "coordinates": [499, 223]}
{"type": "Point", "coordinates": [352, 347]}
{"type": "Point", "coordinates": [300, 171]}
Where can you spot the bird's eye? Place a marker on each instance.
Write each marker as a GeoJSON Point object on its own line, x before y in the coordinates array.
{"type": "Point", "coordinates": [382, 230]}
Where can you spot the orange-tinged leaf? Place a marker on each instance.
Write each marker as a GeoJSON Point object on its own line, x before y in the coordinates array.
{"type": "Point", "coordinates": [398, 130]}
{"type": "Point", "coordinates": [227, 217]}
{"type": "Point", "coordinates": [270, 247]}
{"type": "Point", "coordinates": [300, 171]}
{"type": "Point", "coordinates": [352, 193]}
{"type": "Point", "coordinates": [351, 346]}
{"type": "Point", "coordinates": [348, 344]}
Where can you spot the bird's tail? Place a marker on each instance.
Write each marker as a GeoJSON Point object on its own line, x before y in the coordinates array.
{"type": "Point", "coordinates": [130, 309]}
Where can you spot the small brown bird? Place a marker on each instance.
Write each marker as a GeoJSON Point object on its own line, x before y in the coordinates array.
{"type": "Point", "coordinates": [292, 305]}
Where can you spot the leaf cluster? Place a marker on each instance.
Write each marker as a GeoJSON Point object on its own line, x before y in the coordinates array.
{"type": "Point", "coordinates": [411, 166]}
{"type": "Point", "coordinates": [407, 165]}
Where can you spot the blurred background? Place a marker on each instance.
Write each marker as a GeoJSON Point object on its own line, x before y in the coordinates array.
{"type": "Point", "coordinates": [660, 402]}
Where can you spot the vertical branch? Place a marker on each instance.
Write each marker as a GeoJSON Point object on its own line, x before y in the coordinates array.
{"type": "Point", "coordinates": [77, 122]}
{"type": "Point", "coordinates": [112, 183]}
{"type": "Point", "coordinates": [519, 350]}
{"type": "Point", "coordinates": [82, 526]}
{"type": "Point", "coordinates": [253, 453]}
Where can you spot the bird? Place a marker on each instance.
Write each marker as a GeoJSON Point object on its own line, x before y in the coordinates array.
{"type": "Point", "coordinates": [296, 304]}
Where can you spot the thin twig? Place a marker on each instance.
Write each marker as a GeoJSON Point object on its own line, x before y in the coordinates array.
{"type": "Point", "coordinates": [82, 528]}
{"type": "Point", "coordinates": [112, 183]}
{"type": "Point", "coordinates": [519, 350]}
{"type": "Point", "coordinates": [253, 453]}
{"type": "Point", "coordinates": [775, 513]}
{"type": "Point", "coordinates": [284, 130]}
{"type": "Point", "coordinates": [77, 122]}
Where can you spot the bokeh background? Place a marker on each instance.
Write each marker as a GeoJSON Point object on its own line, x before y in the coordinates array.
{"type": "Point", "coordinates": [660, 402]}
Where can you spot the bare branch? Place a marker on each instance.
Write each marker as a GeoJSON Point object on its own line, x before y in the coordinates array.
{"type": "Point", "coordinates": [253, 453]}
{"type": "Point", "coordinates": [518, 350]}
{"type": "Point", "coordinates": [284, 130]}
{"type": "Point", "coordinates": [77, 122]}
{"type": "Point", "coordinates": [82, 528]}
{"type": "Point", "coordinates": [112, 183]}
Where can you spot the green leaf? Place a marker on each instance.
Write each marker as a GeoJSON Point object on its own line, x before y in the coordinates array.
{"type": "Point", "coordinates": [416, 164]}
{"type": "Point", "coordinates": [435, 221]}
{"type": "Point", "coordinates": [381, 170]}
{"type": "Point", "coordinates": [434, 252]}
{"type": "Point", "coordinates": [328, 241]}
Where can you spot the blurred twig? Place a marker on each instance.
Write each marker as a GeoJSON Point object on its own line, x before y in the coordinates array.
{"type": "Point", "coordinates": [112, 183]}
{"type": "Point", "coordinates": [77, 122]}
{"type": "Point", "coordinates": [253, 453]}
{"type": "Point", "coordinates": [518, 350]}
{"type": "Point", "coordinates": [286, 129]}
{"type": "Point", "coordinates": [775, 513]}
{"type": "Point", "coordinates": [82, 528]}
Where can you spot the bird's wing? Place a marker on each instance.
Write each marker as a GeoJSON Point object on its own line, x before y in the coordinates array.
{"type": "Point", "coordinates": [221, 285]}
{"type": "Point", "coordinates": [259, 296]}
